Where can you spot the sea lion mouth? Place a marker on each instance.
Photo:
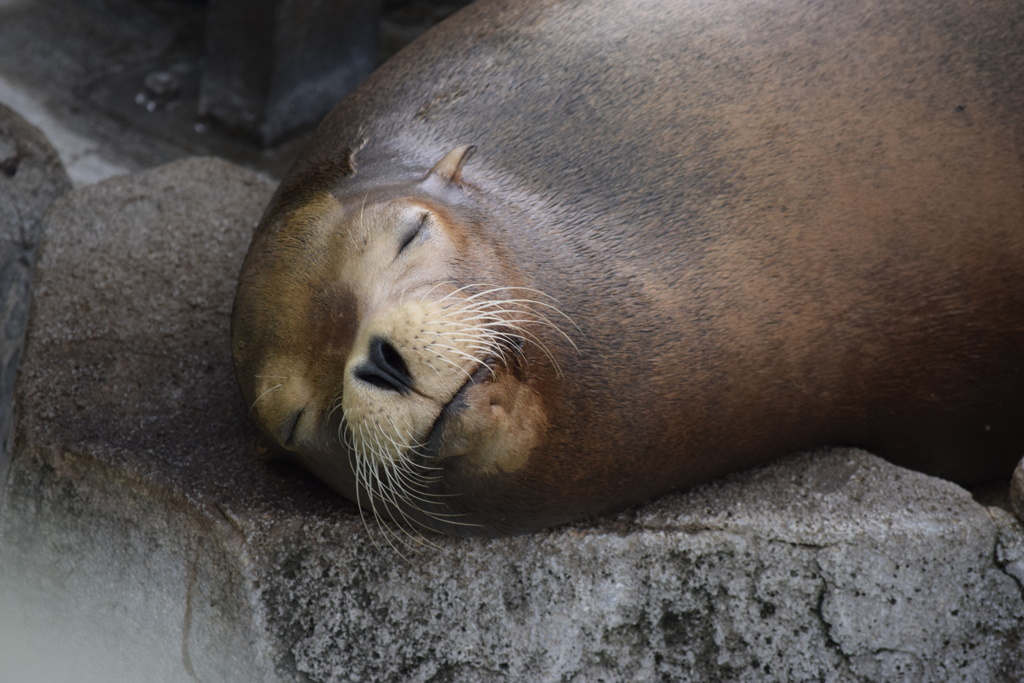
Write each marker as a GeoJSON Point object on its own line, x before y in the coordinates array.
{"type": "Point", "coordinates": [484, 373]}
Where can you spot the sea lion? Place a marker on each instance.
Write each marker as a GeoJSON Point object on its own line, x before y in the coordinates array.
{"type": "Point", "coordinates": [695, 235]}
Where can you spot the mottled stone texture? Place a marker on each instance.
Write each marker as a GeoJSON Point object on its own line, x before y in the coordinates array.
{"type": "Point", "coordinates": [110, 540]}
{"type": "Point", "coordinates": [1017, 491]}
{"type": "Point", "coordinates": [31, 177]}
{"type": "Point", "coordinates": [142, 538]}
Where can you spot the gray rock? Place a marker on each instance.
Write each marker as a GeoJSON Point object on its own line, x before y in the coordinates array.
{"type": "Point", "coordinates": [144, 535]}
{"type": "Point", "coordinates": [1017, 491]}
{"type": "Point", "coordinates": [31, 177]}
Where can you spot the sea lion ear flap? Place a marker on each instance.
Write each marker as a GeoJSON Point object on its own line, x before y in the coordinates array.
{"type": "Point", "coordinates": [449, 169]}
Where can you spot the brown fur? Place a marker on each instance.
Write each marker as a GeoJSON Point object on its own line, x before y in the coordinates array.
{"type": "Point", "coordinates": [777, 226]}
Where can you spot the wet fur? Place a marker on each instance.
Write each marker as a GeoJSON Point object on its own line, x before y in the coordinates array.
{"type": "Point", "coordinates": [777, 225]}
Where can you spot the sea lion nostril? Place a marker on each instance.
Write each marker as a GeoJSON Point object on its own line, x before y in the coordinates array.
{"type": "Point", "coordinates": [385, 367]}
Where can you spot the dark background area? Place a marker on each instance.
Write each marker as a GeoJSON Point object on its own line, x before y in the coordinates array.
{"type": "Point", "coordinates": [127, 74]}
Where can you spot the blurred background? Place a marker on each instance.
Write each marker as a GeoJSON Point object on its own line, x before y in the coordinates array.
{"type": "Point", "coordinates": [123, 85]}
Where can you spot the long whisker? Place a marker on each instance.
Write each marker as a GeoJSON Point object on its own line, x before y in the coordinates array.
{"type": "Point", "coordinates": [468, 326]}
{"type": "Point", "coordinates": [276, 386]}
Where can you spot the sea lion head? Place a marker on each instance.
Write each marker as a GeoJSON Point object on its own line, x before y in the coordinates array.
{"type": "Point", "coordinates": [385, 343]}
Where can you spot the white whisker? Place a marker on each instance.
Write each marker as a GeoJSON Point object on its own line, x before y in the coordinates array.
{"type": "Point", "coordinates": [468, 326]}
{"type": "Point", "coordinates": [276, 386]}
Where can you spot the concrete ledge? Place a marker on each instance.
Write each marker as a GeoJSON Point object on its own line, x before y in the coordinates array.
{"type": "Point", "coordinates": [142, 537]}
{"type": "Point", "coordinates": [31, 177]}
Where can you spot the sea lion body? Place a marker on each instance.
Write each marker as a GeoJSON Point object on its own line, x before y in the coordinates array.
{"type": "Point", "coordinates": [763, 227]}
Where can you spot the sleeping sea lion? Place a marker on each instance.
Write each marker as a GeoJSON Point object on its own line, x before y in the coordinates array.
{"type": "Point", "coordinates": [557, 258]}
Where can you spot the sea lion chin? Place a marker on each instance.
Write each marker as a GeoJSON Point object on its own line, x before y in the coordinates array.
{"type": "Point", "coordinates": [693, 237]}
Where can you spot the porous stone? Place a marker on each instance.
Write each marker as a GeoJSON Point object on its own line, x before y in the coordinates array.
{"type": "Point", "coordinates": [143, 532]}
{"type": "Point", "coordinates": [105, 539]}
{"type": "Point", "coordinates": [1017, 491]}
{"type": "Point", "coordinates": [31, 177]}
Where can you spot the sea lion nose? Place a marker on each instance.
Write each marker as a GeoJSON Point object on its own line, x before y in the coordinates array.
{"type": "Point", "coordinates": [384, 368]}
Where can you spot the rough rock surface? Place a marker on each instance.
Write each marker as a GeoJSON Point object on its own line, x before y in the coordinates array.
{"type": "Point", "coordinates": [1017, 491]}
{"type": "Point", "coordinates": [31, 177]}
{"type": "Point", "coordinates": [143, 538]}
